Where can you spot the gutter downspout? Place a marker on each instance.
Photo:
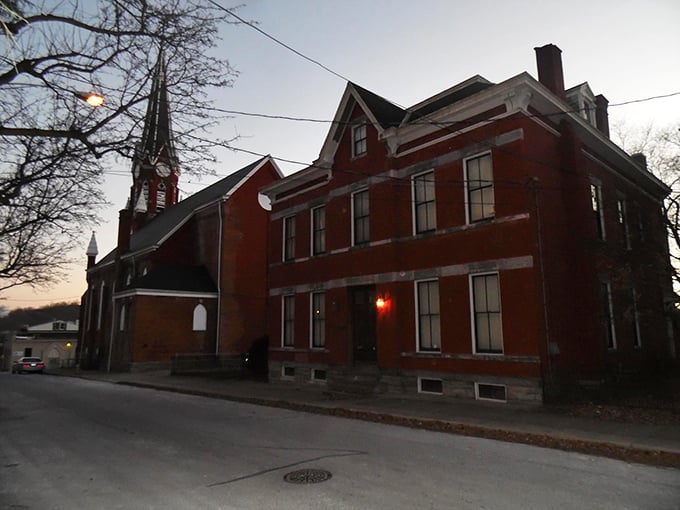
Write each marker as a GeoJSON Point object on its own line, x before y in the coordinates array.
{"type": "Point", "coordinates": [533, 184]}
{"type": "Point", "coordinates": [219, 279]}
{"type": "Point", "coordinates": [113, 324]}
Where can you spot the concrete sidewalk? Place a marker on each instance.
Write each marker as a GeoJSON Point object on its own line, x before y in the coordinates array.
{"type": "Point", "coordinates": [542, 426]}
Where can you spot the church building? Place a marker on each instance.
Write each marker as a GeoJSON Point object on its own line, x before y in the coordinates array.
{"type": "Point", "coordinates": [186, 277]}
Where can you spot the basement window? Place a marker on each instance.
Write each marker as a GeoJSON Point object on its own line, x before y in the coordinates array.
{"type": "Point", "coordinates": [432, 386]}
{"type": "Point", "coordinates": [493, 392]}
{"type": "Point", "coordinates": [288, 372]}
{"type": "Point", "coordinates": [318, 375]}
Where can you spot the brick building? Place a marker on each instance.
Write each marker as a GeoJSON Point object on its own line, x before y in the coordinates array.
{"type": "Point", "coordinates": [489, 242]}
{"type": "Point", "coordinates": [187, 277]}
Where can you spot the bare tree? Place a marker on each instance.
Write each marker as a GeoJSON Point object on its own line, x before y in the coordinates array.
{"type": "Point", "coordinates": [661, 146]}
{"type": "Point", "coordinates": [54, 146]}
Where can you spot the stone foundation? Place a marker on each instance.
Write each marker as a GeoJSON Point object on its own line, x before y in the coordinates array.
{"type": "Point", "coordinates": [369, 379]}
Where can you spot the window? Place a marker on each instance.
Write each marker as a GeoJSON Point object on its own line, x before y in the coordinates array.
{"type": "Point", "coordinates": [288, 321]}
{"type": "Point", "coordinates": [424, 212]}
{"type": "Point", "coordinates": [360, 211]}
{"type": "Point", "coordinates": [121, 325]}
{"type": "Point", "coordinates": [435, 386]}
{"type": "Point", "coordinates": [200, 322]}
{"type": "Point", "coordinates": [319, 375]}
{"type": "Point", "coordinates": [480, 193]}
{"type": "Point", "coordinates": [59, 326]}
{"type": "Point", "coordinates": [427, 306]}
{"type": "Point", "coordinates": [318, 230]}
{"type": "Point", "coordinates": [160, 197]}
{"type": "Point", "coordinates": [596, 201]}
{"type": "Point", "coordinates": [289, 238]}
{"type": "Point", "coordinates": [495, 392]}
{"type": "Point", "coordinates": [623, 221]}
{"type": "Point", "coordinates": [287, 372]}
{"type": "Point", "coordinates": [641, 225]}
{"type": "Point", "coordinates": [318, 319]}
{"type": "Point", "coordinates": [359, 140]}
{"type": "Point", "coordinates": [100, 310]}
{"type": "Point", "coordinates": [486, 309]}
{"type": "Point", "coordinates": [608, 315]}
{"type": "Point", "coordinates": [589, 111]}
{"type": "Point", "coordinates": [637, 339]}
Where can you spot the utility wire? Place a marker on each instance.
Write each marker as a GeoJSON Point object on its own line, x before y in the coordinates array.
{"type": "Point", "coordinates": [440, 124]}
{"type": "Point", "coordinates": [646, 99]}
{"type": "Point", "coordinates": [277, 41]}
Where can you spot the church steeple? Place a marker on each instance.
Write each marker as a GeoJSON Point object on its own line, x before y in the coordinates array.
{"type": "Point", "coordinates": [155, 168]}
{"type": "Point", "coordinates": [157, 138]}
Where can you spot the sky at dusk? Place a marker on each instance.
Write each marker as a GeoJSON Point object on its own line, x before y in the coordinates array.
{"type": "Point", "coordinates": [404, 51]}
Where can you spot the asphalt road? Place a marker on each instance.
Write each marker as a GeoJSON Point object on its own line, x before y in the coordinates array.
{"type": "Point", "coordinates": [80, 444]}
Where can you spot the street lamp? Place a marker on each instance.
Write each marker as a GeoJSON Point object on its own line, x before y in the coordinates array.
{"type": "Point", "coordinates": [91, 98]}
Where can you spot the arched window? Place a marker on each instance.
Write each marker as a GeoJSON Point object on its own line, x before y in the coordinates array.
{"type": "Point", "coordinates": [100, 310]}
{"type": "Point", "coordinates": [160, 197]}
{"type": "Point", "coordinates": [122, 317]}
{"type": "Point", "coordinates": [200, 318]}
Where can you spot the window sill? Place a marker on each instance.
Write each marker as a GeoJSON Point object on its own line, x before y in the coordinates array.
{"type": "Point", "coordinates": [473, 356]}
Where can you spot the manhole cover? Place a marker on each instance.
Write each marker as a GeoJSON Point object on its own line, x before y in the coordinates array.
{"type": "Point", "coordinates": [307, 476]}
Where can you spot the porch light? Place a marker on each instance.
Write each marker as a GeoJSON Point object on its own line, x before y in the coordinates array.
{"type": "Point", "coordinates": [380, 303]}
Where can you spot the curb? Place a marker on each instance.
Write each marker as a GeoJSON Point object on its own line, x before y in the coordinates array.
{"type": "Point", "coordinates": [627, 453]}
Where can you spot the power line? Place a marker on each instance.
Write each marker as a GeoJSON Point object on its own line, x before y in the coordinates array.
{"type": "Point", "coordinates": [277, 41]}
{"type": "Point", "coordinates": [646, 99]}
{"type": "Point", "coordinates": [440, 124]}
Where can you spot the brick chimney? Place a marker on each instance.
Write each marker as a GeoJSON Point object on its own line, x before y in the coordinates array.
{"type": "Point", "coordinates": [640, 159]}
{"type": "Point", "coordinates": [549, 64]}
{"type": "Point", "coordinates": [124, 226]}
{"type": "Point", "coordinates": [601, 115]}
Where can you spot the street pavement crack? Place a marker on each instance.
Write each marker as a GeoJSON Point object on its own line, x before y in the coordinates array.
{"type": "Point", "coordinates": [286, 466]}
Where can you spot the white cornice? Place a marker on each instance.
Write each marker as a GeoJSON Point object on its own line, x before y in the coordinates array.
{"type": "Point", "coordinates": [297, 180]}
{"type": "Point", "coordinates": [164, 293]}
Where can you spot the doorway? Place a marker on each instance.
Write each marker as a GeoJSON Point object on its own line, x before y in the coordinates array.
{"type": "Point", "coordinates": [363, 314]}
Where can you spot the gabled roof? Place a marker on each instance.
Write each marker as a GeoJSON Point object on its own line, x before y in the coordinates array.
{"type": "Point", "coordinates": [156, 231]}
{"type": "Point", "coordinates": [384, 114]}
{"type": "Point", "coordinates": [449, 96]}
{"type": "Point", "coordinates": [387, 114]}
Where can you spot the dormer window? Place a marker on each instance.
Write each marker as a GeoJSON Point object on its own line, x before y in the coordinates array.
{"type": "Point", "coordinates": [359, 140]}
{"type": "Point", "coordinates": [588, 111]}
{"type": "Point", "coordinates": [582, 102]}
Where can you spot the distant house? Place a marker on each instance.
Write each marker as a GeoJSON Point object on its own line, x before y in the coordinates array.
{"type": "Point", "coordinates": [490, 242]}
{"type": "Point", "coordinates": [55, 342]}
{"type": "Point", "coordinates": [187, 277]}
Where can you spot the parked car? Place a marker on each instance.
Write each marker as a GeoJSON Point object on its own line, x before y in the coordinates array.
{"type": "Point", "coordinates": [28, 365]}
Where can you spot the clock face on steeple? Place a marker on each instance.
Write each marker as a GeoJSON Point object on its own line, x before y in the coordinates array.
{"type": "Point", "coordinates": [163, 169]}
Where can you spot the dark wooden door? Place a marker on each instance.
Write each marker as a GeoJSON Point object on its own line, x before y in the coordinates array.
{"type": "Point", "coordinates": [362, 302]}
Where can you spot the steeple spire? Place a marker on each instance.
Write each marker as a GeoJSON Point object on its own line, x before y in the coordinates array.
{"type": "Point", "coordinates": [155, 167]}
{"type": "Point", "coordinates": [157, 133]}
{"type": "Point", "coordinates": [92, 251]}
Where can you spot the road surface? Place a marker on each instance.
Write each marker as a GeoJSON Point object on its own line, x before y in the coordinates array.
{"type": "Point", "coordinates": [69, 443]}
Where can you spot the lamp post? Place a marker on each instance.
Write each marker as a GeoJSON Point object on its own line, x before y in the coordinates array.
{"type": "Point", "coordinates": [91, 98]}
